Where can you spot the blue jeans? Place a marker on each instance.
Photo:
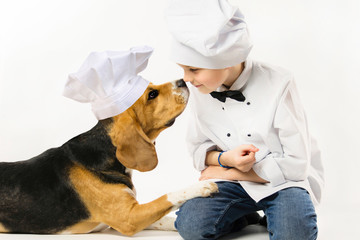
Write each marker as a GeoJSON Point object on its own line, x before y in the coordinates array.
{"type": "Point", "coordinates": [290, 214]}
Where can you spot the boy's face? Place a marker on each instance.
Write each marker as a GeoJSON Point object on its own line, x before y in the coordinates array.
{"type": "Point", "coordinates": [205, 80]}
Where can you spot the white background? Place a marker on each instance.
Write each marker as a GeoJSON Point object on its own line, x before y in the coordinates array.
{"type": "Point", "coordinates": [41, 42]}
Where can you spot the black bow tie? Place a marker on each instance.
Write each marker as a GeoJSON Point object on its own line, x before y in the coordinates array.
{"type": "Point", "coordinates": [221, 96]}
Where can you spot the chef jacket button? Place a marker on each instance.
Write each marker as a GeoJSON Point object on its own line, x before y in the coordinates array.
{"type": "Point", "coordinates": [248, 103]}
{"type": "Point", "coordinates": [249, 135]}
{"type": "Point", "coordinates": [223, 108]}
{"type": "Point", "coordinates": [228, 134]}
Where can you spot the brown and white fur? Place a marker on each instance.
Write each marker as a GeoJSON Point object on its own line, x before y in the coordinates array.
{"type": "Point", "coordinates": [86, 185]}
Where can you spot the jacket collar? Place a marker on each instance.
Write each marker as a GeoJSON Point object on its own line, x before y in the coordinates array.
{"type": "Point", "coordinates": [242, 79]}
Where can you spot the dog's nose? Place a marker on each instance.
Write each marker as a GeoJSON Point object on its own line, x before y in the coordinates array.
{"type": "Point", "coordinates": [180, 83]}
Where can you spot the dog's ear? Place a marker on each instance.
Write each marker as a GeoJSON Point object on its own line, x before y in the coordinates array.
{"type": "Point", "coordinates": [134, 149]}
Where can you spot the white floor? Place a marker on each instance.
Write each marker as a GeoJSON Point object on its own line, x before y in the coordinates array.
{"type": "Point", "coordinates": [250, 233]}
{"type": "Point", "coordinates": [334, 224]}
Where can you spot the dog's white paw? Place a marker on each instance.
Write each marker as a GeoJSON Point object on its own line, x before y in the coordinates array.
{"type": "Point", "coordinates": [200, 189]}
{"type": "Point", "coordinates": [207, 188]}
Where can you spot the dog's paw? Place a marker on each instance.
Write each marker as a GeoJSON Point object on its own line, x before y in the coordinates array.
{"type": "Point", "coordinates": [200, 189]}
{"type": "Point", "coordinates": [207, 188]}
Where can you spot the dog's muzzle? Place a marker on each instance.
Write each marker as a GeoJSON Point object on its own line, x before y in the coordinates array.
{"type": "Point", "coordinates": [181, 90]}
{"type": "Point", "coordinates": [180, 83]}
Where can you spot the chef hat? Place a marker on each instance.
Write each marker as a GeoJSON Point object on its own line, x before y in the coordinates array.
{"type": "Point", "coordinates": [109, 80]}
{"type": "Point", "coordinates": [207, 33]}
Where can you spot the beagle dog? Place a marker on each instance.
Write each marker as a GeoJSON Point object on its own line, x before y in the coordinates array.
{"type": "Point", "coordinates": [86, 183]}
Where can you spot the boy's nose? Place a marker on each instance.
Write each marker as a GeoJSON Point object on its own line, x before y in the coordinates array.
{"type": "Point", "coordinates": [187, 78]}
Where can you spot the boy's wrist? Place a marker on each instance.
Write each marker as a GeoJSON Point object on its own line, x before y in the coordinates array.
{"type": "Point", "coordinates": [224, 159]}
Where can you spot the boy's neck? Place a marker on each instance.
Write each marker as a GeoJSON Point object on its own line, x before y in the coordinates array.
{"type": "Point", "coordinates": [235, 72]}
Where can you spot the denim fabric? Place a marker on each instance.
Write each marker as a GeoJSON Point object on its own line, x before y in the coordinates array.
{"type": "Point", "coordinates": [290, 214]}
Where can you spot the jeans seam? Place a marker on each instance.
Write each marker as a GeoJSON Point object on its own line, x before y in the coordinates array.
{"type": "Point", "coordinates": [232, 203]}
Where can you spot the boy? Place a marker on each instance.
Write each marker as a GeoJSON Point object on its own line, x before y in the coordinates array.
{"type": "Point", "coordinates": [248, 129]}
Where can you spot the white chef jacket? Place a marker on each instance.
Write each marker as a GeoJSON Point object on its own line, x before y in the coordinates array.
{"type": "Point", "coordinates": [271, 118]}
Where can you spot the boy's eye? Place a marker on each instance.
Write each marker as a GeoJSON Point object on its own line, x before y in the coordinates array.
{"type": "Point", "coordinates": [193, 69]}
{"type": "Point", "coordinates": [153, 94]}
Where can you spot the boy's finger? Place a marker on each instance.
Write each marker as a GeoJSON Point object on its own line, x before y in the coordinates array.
{"type": "Point", "coordinates": [249, 158]}
{"type": "Point", "coordinates": [249, 148]}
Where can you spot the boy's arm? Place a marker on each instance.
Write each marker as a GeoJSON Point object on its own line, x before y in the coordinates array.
{"type": "Point", "coordinates": [292, 162]}
{"type": "Point", "coordinates": [217, 172]}
{"type": "Point", "coordinates": [198, 144]}
{"type": "Point", "coordinates": [241, 159]}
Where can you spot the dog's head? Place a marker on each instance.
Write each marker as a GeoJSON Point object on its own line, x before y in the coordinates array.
{"type": "Point", "coordinates": [134, 131]}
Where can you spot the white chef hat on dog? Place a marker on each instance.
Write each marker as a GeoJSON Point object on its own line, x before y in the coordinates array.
{"type": "Point", "coordinates": [109, 80]}
{"type": "Point", "coordinates": [207, 33]}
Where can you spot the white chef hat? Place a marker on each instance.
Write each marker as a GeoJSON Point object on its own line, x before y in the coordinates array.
{"type": "Point", "coordinates": [109, 80]}
{"type": "Point", "coordinates": [207, 33]}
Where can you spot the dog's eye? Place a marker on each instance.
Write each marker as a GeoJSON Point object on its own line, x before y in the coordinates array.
{"type": "Point", "coordinates": [153, 94]}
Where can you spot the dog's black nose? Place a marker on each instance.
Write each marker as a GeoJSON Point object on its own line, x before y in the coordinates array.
{"type": "Point", "coordinates": [180, 83]}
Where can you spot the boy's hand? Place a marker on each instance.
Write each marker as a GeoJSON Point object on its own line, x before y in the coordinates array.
{"type": "Point", "coordinates": [241, 157]}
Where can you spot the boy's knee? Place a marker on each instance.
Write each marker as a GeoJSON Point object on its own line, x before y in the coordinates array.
{"type": "Point", "coordinates": [195, 233]}
{"type": "Point", "coordinates": [190, 228]}
{"type": "Point", "coordinates": [295, 216]}
{"type": "Point", "coordinates": [296, 227]}
{"type": "Point", "coordinates": [191, 224]}
{"type": "Point", "coordinates": [297, 231]}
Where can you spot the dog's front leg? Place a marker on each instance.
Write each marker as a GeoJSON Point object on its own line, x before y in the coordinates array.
{"type": "Point", "coordinates": [141, 216]}
{"type": "Point", "coordinates": [116, 206]}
